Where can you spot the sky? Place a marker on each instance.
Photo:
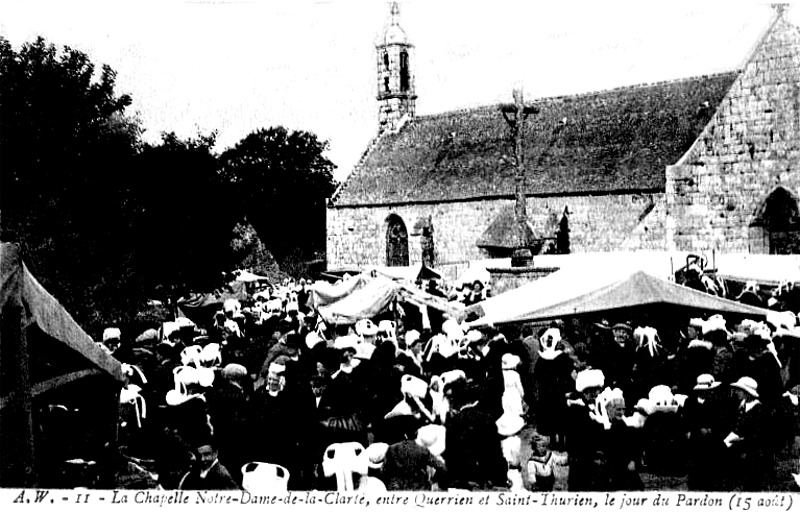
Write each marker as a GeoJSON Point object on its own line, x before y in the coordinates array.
{"type": "Point", "coordinates": [237, 66]}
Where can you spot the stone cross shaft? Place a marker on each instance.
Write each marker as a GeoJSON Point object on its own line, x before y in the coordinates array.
{"type": "Point", "coordinates": [515, 117]}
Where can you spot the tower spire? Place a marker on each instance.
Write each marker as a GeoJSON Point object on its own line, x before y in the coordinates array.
{"type": "Point", "coordinates": [779, 7]}
{"type": "Point", "coordinates": [396, 96]}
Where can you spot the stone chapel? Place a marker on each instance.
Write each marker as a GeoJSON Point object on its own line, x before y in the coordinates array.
{"type": "Point", "coordinates": [694, 164]}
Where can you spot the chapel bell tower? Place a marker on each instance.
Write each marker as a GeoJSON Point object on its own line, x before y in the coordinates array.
{"type": "Point", "coordinates": [396, 97]}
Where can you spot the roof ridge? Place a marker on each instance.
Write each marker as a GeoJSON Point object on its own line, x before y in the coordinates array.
{"type": "Point", "coordinates": [586, 94]}
{"type": "Point", "coordinates": [638, 86]}
{"type": "Point", "coordinates": [751, 55]}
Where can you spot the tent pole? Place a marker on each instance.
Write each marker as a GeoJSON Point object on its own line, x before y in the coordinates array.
{"type": "Point", "coordinates": [17, 428]}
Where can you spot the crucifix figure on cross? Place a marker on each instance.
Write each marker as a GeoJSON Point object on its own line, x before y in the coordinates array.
{"type": "Point", "coordinates": [515, 116]}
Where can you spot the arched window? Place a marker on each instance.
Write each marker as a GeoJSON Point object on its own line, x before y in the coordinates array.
{"type": "Point", "coordinates": [404, 74]}
{"type": "Point", "coordinates": [776, 227]}
{"type": "Point", "coordinates": [386, 84]}
{"type": "Point", "coordinates": [386, 61]}
{"type": "Point", "coordinates": [396, 242]}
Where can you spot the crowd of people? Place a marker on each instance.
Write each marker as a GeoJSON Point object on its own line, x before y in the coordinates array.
{"type": "Point", "coordinates": [399, 403]}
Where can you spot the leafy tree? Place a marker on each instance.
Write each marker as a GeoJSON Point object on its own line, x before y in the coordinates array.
{"type": "Point", "coordinates": [282, 179]}
{"type": "Point", "coordinates": [184, 216]}
{"type": "Point", "coordinates": [250, 252]}
{"type": "Point", "coordinates": [65, 137]}
{"type": "Point", "coordinates": [104, 220]}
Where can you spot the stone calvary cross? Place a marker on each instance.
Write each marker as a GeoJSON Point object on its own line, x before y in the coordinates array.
{"type": "Point", "coordinates": [515, 116]}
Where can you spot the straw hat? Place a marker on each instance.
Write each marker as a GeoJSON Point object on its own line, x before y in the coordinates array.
{"type": "Point", "coordinates": [705, 382]}
{"type": "Point", "coordinates": [747, 384]}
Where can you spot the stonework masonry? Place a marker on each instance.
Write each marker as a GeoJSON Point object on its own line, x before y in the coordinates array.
{"type": "Point", "coordinates": [715, 197]}
{"type": "Point", "coordinates": [750, 147]}
{"type": "Point", "coordinates": [357, 235]}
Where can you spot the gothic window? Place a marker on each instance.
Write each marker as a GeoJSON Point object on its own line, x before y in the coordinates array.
{"type": "Point", "coordinates": [386, 61]}
{"type": "Point", "coordinates": [776, 228]}
{"type": "Point", "coordinates": [404, 74]}
{"type": "Point", "coordinates": [396, 242]}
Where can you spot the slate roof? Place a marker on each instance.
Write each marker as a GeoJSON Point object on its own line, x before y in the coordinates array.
{"type": "Point", "coordinates": [610, 141]}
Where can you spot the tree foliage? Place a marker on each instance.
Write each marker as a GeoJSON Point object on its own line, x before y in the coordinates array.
{"type": "Point", "coordinates": [184, 215]}
{"type": "Point", "coordinates": [105, 221]}
{"type": "Point", "coordinates": [282, 179]}
{"type": "Point", "coordinates": [64, 139]}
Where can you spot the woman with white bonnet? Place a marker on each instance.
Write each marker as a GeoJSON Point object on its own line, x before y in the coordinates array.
{"type": "Point", "coordinates": [276, 423]}
{"type": "Point", "coordinates": [585, 433]}
{"type": "Point", "coordinates": [553, 381]}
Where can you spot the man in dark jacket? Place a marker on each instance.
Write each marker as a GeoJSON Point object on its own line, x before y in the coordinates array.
{"type": "Point", "coordinates": [474, 455]}
{"type": "Point", "coordinates": [409, 462]}
{"type": "Point", "coordinates": [228, 407]}
{"type": "Point", "coordinates": [705, 419]}
{"type": "Point", "coordinates": [208, 473]}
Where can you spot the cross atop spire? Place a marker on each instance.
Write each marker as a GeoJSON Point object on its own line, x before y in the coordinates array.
{"type": "Point", "coordinates": [395, 11]}
{"type": "Point", "coordinates": [779, 7]}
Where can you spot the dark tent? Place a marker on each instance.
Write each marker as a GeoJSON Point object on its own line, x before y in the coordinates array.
{"type": "Point", "coordinates": [201, 307]}
{"type": "Point", "coordinates": [569, 293]}
{"type": "Point", "coordinates": [48, 363]}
